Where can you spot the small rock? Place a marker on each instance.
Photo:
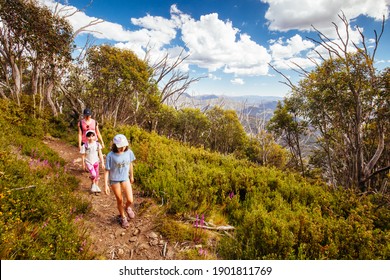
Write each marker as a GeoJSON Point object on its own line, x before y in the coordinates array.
{"type": "Point", "coordinates": [153, 242]}
{"type": "Point", "coordinates": [133, 239]}
{"type": "Point", "coordinates": [120, 252]}
{"type": "Point", "coordinates": [153, 235]}
{"type": "Point", "coordinates": [143, 246]}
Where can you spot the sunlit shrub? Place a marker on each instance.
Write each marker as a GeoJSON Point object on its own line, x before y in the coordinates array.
{"type": "Point", "coordinates": [277, 215]}
{"type": "Point", "coordinates": [40, 215]}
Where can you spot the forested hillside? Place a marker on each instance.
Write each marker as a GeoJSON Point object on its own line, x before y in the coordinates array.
{"type": "Point", "coordinates": [312, 183]}
{"type": "Point", "coordinates": [275, 214]}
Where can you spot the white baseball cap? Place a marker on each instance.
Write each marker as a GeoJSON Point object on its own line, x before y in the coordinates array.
{"type": "Point", "coordinates": [90, 131]}
{"type": "Point", "coordinates": [120, 141]}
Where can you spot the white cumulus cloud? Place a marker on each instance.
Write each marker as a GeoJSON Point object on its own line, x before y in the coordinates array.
{"type": "Point", "coordinates": [215, 44]}
{"type": "Point", "coordinates": [284, 15]}
{"type": "Point", "coordinates": [237, 81]}
{"type": "Point", "coordinates": [305, 15]}
{"type": "Point", "coordinates": [218, 45]}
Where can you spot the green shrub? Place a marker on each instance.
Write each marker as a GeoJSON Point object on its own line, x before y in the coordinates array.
{"type": "Point", "coordinates": [277, 215]}
{"type": "Point", "coordinates": [40, 214]}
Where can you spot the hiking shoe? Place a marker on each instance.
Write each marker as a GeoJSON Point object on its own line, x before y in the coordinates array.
{"type": "Point", "coordinates": [124, 222]}
{"type": "Point", "coordinates": [130, 212]}
{"type": "Point", "coordinates": [95, 188]}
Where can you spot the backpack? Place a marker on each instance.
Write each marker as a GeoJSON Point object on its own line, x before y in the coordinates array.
{"type": "Point", "coordinates": [97, 146]}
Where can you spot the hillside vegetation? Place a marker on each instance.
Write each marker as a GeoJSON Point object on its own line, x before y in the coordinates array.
{"type": "Point", "coordinates": [39, 212]}
{"type": "Point", "coordinates": [312, 183]}
{"type": "Point", "coordinates": [276, 215]}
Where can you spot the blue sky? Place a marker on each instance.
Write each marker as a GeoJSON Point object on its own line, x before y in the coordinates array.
{"type": "Point", "coordinates": [231, 43]}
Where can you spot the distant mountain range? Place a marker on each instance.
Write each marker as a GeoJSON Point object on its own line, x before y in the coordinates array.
{"type": "Point", "coordinates": [251, 98]}
{"type": "Point", "coordinates": [251, 109]}
{"type": "Point", "coordinates": [252, 105]}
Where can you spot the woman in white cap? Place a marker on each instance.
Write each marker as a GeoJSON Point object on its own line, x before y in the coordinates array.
{"type": "Point", "coordinates": [119, 176]}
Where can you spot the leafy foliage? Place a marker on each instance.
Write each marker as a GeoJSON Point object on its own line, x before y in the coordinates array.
{"type": "Point", "coordinates": [343, 100]}
{"type": "Point", "coordinates": [35, 39]}
{"type": "Point", "coordinates": [119, 86]}
{"type": "Point", "coordinates": [277, 215]}
{"type": "Point", "coordinates": [39, 212]}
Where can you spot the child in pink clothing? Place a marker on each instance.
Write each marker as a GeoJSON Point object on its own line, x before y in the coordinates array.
{"type": "Point", "coordinates": [91, 156]}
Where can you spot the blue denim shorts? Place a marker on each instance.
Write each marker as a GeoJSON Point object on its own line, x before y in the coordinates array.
{"type": "Point", "coordinates": [117, 182]}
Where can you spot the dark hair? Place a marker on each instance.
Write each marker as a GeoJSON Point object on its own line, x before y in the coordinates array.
{"type": "Point", "coordinates": [114, 148]}
{"type": "Point", "coordinates": [89, 133]}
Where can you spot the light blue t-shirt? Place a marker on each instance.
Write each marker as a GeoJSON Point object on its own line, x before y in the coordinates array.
{"type": "Point", "coordinates": [119, 165]}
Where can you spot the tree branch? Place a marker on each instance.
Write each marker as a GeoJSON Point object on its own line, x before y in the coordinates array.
{"type": "Point", "coordinates": [376, 173]}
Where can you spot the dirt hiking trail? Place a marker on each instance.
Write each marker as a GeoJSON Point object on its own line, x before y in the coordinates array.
{"type": "Point", "coordinates": [109, 240]}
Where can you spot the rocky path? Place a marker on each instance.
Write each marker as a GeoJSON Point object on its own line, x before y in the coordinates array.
{"type": "Point", "coordinates": [140, 241]}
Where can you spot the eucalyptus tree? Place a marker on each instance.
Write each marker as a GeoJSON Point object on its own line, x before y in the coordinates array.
{"type": "Point", "coordinates": [226, 134]}
{"type": "Point", "coordinates": [119, 90]}
{"type": "Point", "coordinates": [287, 125]}
{"type": "Point", "coordinates": [165, 122]}
{"type": "Point", "coordinates": [345, 99]}
{"type": "Point", "coordinates": [50, 54]}
{"type": "Point", "coordinates": [35, 43]}
{"type": "Point", "coordinates": [13, 42]}
{"type": "Point", "coordinates": [264, 150]}
{"type": "Point", "coordinates": [192, 126]}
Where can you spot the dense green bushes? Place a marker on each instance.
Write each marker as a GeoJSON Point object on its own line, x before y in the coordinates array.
{"type": "Point", "coordinates": [38, 209]}
{"type": "Point", "coordinates": [277, 215]}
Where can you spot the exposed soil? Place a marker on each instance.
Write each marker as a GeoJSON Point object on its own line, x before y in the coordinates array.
{"type": "Point", "coordinates": [140, 241]}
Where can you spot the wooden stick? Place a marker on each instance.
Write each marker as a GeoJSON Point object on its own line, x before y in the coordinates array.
{"type": "Point", "coordinates": [22, 188]}
{"type": "Point", "coordinates": [210, 226]}
{"type": "Point", "coordinates": [224, 228]}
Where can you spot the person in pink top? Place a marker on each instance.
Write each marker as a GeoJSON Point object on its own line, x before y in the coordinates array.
{"type": "Point", "coordinates": [86, 124]}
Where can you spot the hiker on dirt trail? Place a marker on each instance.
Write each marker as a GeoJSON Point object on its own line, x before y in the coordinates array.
{"type": "Point", "coordinates": [87, 123]}
{"type": "Point", "coordinates": [91, 152]}
{"type": "Point", "coordinates": [119, 176]}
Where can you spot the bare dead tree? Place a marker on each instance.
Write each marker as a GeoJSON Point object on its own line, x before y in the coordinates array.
{"type": "Point", "coordinates": [171, 80]}
{"type": "Point", "coordinates": [67, 12]}
{"type": "Point", "coordinates": [75, 101]}
{"type": "Point", "coordinates": [74, 98]}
